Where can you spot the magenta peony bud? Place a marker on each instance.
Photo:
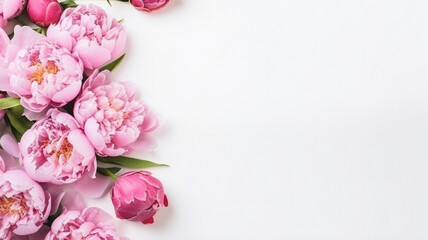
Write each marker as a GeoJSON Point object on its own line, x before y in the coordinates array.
{"type": "Point", "coordinates": [148, 5]}
{"type": "Point", "coordinates": [137, 196]}
{"type": "Point", "coordinates": [44, 12]}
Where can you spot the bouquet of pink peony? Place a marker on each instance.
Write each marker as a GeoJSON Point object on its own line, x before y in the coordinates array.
{"type": "Point", "coordinates": [66, 125]}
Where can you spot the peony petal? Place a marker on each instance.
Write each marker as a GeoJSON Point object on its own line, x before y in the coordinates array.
{"type": "Point", "coordinates": [92, 55]}
{"type": "Point", "coordinates": [91, 131]}
{"type": "Point", "coordinates": [67, 94]}
{"type": "Point", "coordinates": [25, 36]}
{"type": "Point", "coordinates": [73, 201]}
{"type": "Point", "coordinates": [9, 144]}
{"type": "Point", "coordinates": [93, 188]}
{"type": "Point", "coordinates": [4, 42]}
{"type": "Point", "coordinates": [62, 38]}
{"type": "Point", "coordinates": [11, 8]}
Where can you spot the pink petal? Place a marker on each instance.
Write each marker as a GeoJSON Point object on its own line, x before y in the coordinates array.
{"type": "Point", "coordinates": [4, 42]}
{"type": "Point", "coordinates": [73, 201]}
{"type": "Point", "coordinates": [25, 36]}
{"type": "Point", "coordinates": [62, 38]}
{"type": "Point", "coordinates": [92, 188]}
{"type": "Point", "coordinates": [91, 131]}
{"type": "Point", "coordinates": [9, 144]}
{"type": "Point", "coordinates": [92, 55]}
{"type": "Point", "coordinates": [67, 94]}
{"type": "Point", "coordinates": [11, 7]}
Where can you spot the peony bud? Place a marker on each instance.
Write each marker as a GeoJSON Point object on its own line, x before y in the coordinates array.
{"type": "Point", "coordinates": [137, 196]}
{"type": "Point", "coordinates": [44, 12]}
{"type": "Point", "coordinates": [148, 5]}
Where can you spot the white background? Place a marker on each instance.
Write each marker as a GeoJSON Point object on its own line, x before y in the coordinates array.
{"type": "Point", "coordinates": [286, 119]}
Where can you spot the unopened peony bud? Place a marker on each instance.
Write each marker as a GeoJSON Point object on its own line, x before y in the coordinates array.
{"type": "Point", "coordinates": [44, 12]}
{"type": "Point", "coordinates": [148, 5]}
{"type": "Point", "coordinates": [137, 196]}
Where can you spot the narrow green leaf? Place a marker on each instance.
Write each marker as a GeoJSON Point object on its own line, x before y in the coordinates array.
{"type": "Point", "coordinates": [121, 20]}
{"type": "Point", "coordinates": [114, 170]}
{"type": "Point", "coordinates": [18, 122]}
{"type": "Point", "coordinates": [111, 66]}
{"type": "Point", "coordinates": [107, 172]}
{"type": "Point", "coordinates": [52, 218]}
{"type": "Point", "coordinates": [9, 102]}
{"type": "Point", "coordinates": [17, 111]}
{"type": "Point", "coordinates": [68, 4]}
{"type": "Point", "coordinates": [129, 162]}
{"type": "Point", "coordinates": [15, 133]}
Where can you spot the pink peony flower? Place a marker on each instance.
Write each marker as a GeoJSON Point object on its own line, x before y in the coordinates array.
{"type": "Point", "coordinates": [137, 196]}
{"type": "Point", "coordinates": [90, 32]}
{"type": "Point", "coordinates": [10, 9]}
{"type": "Point", "coordinates": [91, 223]}
{"type": "Point", "coordinates": [24, 206]}
{"type": "Point", "coordinates": [56, 150]}
{"type": "Point", "coordinates": [113, 119]}
{"type": "Point", "coordinates": [38, 71]}
{"type": "Point", "coordinates": [44, 12]}
{"type": "Point", "coordinates": [148, 5]}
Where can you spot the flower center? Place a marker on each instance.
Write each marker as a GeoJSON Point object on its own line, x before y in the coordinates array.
{"type": "Point", "coordinates": [66, 149]}
{"type": "Point", "coordinates": [38, 74]}
{"type": "Point", "coordinates": [13, 206]}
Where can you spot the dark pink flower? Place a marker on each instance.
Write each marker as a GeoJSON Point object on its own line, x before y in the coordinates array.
{"type": "Point", "coordinates": [137, 196]}
{"type": "Point", "coordinates": [44, 12]}
{"type": "Point", "coordinates": [148, 5]}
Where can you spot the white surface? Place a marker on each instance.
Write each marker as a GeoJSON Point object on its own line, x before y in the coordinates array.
{"type": "Point", "coordinates": [285, 119]}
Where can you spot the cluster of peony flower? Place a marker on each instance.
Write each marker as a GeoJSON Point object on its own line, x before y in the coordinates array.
{"type": "Point", "coordinates": [66, 124]}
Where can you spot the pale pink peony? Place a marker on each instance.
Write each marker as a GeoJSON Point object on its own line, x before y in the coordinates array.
{"type": "Point", "coordinates": [114, 120]}
{"type": "Point", "coordinates": [10, 9]}
{"type": "Point", "coordinates": [137, 196]}
{"type": "Point", "coordinates": [149, 5]}
{"type": "Point", "coordinates": [87, 30]}
{"type": "Point", "coordinates": [38, 71]}
{"type": "Point", "coordinates": [24, 206]}
{"type": "Point", "coordinates": [56, 150]}
{"type": "Point", "coordinates": [91, 223]}
{"type": "Point", "coordinates": [44, 12]}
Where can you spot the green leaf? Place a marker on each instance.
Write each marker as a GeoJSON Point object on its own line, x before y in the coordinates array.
{"type": "Point", "coordinates": [9, 102]}
{"type": "Point", "coordinates": [18, 122]}
{"type": "Point", "coordinates": [41, 30]}
{"type": "Point", "coordinates": [109, 172]}
{"type": "Point", "coordinates": [15, 133]}
{"type": "Point", "coordinates": [111, 66]}
{"type": "Point", "coordinates": [68, 4]}
{"type": "Point", "coordinates": [129, 162]}
{"type": "Point", "coordinates": [52, 218]}
{"type": "Point", "coordinates": [114, 170]}
{"type": "Point", "coordinates": [121, 20]}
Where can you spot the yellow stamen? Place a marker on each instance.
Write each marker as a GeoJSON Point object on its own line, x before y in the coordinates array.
{"type": "Point", "coordinates": [65, 150]}
{"type": "Point", "coordinates": [38, 75]}
{"type": "Point", "coordinates": [6, 205]}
